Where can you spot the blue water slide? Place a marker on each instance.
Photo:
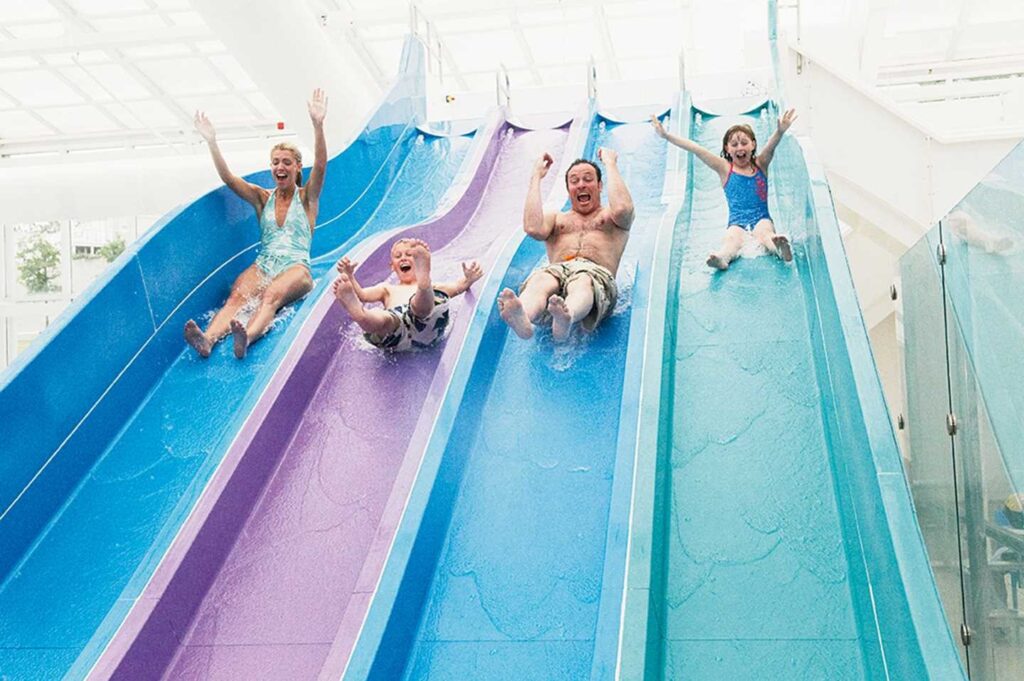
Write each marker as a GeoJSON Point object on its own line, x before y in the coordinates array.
{"type": "Point", "coordinates": [509, 560]}
{"type": "Point", "coordinates": [100, 466]}
{"type": "Point", "coordinates": [773, 533]}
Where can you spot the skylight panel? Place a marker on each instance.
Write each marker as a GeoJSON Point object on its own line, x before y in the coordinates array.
{"type": "Point", "coordinates": [26, 10]}
{"type": "Point", "coordinates": [38, 88]}
{"type": "Point", "coordinates": [84, 82]}
{"type": "Point", "coordinates": [233, 71]}
{"type": "Point", "coordinates": [482, 51]}
{"type": "Point", "coordinates": [78, 119]}
{"type": "Point", "coordinates": [37, 31]}
{"type": "Point", "coordinates": [93, 7]}
{"type": "Point", "coordinates": [18, 63]}
{"type": "Point", "coordinates": [222, 109]}
{"type": "Point", "coordinates": [119, 81]}
{"type": "Point", "coordinates": [188, 19]}
{"type": "Point", "coordinates": [139, 22]}
{"type": "Point", "coordinates": [15, 124]}
{"type": "Point", "coordinates": [157, 50]}
{"type": "Point", "coordinates": [190, 76]}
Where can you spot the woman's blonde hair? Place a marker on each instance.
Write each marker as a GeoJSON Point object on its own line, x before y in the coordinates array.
{"type": "Point", "coordinates": [294, 151]}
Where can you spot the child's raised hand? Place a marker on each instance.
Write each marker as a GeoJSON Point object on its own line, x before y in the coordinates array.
{"type": "Point", "coordinates": [204, 127]}
{"type": "Point", "coordinates": [658, 127]}
{"type": "Point", "coordinates": [346, 266]}
{"type": "Point", "coordinates": [540, 168]}
{"type": "Point", "coordinates": [786, 120]}
{"type": "Point", "coordinates": [472, 272]}
{"type": "Point", "coordinates": [317, 107]}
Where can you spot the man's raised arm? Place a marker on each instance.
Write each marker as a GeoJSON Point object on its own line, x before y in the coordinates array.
{"type": "Point", "coordinates": [536, 222]}
{"type": "Point", "coordinates": [620, 203]}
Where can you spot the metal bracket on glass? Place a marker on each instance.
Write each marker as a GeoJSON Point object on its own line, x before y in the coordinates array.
{"type": "Point", "coordinates": [951, 423]}
{"type": "Point", "coordinates": [940, 251]}
{"type": "Point", "coordinates": [892, 292]}
{"type": "Point", "coordinates": [965, 634]}
{"type": "Point", "coordinates": [900, 423]}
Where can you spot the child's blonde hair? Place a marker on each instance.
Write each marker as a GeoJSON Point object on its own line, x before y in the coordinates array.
{"type": "Point", "coordinates": [744, 128]}
{"type": "Point", "coordinates": [294, 151]}
{"type": "Point", "coordinates": [408, 239]}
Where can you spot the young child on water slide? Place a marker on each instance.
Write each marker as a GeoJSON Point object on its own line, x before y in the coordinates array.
{"type": "Point", "coordinates": [422, 322]}
{"type": "Point", "coordinates": [287, 215]}
{"type": "Point", "coordinates": [744, 174]}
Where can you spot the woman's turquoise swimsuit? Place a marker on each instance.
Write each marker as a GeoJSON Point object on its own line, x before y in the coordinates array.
{"type": "Point", "coordinates": [287, 245]}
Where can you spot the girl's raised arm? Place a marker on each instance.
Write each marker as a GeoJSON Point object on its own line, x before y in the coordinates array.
{"type": "Point", "coordinates": [708, 157]}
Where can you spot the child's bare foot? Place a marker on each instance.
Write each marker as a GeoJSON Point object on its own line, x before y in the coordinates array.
{"type": "Point", "coordinates": [421, 266]}
{"type": "Point", "coordinates": [513, 314]}
{"type": "Point", "coordinates": [195, 337]}
{"type": "Point", "coordinates": [782, 247]}
{"type": "Point", "coordinates": [561, 320]}
{"type": "Point", "coordinates": [346, 295]}
{"type": "Point", "coordinates": [718, 262]}
{"type": "Point", "coordinates": [241, 337]}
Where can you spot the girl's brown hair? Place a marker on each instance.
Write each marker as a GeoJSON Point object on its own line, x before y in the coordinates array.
{"type": "Point", "coordinates": [744, 128]}
{"type": "Point", "coordinates": [294, 151]}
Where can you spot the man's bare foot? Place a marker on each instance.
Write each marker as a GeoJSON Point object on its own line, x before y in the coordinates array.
{"type": "Point", "coordinates": [195, 337]}
{"type": "Point", "coordinates": [514, 315]}
{"type": "Point", "coordinates": [782, 247]}
{"type": "Point", "coordinates": [718, 262]}
{"type": "Point", "coordinates": [561, 320]}
{"type": "Point", "coordinates": [421, 266]}
{"type": "Point", "coordinates": [346, 295]}
{"type": "Point", "coordinates": [241, 337]}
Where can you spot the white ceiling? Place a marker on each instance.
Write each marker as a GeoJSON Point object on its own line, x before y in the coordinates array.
{"type": "Point", "coordinates": [76, 74]}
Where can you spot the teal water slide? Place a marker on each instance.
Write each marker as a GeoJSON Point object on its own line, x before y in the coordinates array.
{"type": "Point", "coordinates": [772, 533]}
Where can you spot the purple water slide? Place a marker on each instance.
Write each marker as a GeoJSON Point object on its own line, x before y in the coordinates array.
{"type": "Point", "coordinates": [272, 574]}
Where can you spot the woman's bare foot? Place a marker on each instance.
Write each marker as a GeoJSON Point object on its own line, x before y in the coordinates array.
{"type": "Point", "coordinates": [421, 266]}
{"type": "Point", "coordinates": [241, 337]}
{"type": "Point", "coordinates": [346, 295]}
{"type": "Point", "coordinates": [195, 337]}
{"type": "Point", "coordinates": [561, 320]}
{"type": "Point", "coordinates": [718, 262]}
{"type": "Point", "coordinates": [782, 247]}
{"type": "Point", "coordinates": [514, 315]}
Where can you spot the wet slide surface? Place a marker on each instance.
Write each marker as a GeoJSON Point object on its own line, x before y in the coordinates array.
{"type": "Point", "coordinates": [94, 556]}
{"type": "Point", "coordinates": [513, 548]}
{"type": "Point", "coordinates": [757, 575]}
{"type": "Point", "coordinates": [306, 559]}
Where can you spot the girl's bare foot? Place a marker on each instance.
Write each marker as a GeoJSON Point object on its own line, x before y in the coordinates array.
{"type": "Point", "coordinates": [241, 337]}
{"type": "Point", "coordinates": [718, 262]}
{"type": "Point", "coordinates": [782, 247]}
{"type": "Point", "coordinates": [513, 314]}
{"type": "Point", "coordinates": [195, 337]}
{"type": "Point", "coordinates": [561, 320]}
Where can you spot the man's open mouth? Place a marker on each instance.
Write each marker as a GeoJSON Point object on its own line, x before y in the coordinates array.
{"type": "Point", "coordinates": [582, 196]}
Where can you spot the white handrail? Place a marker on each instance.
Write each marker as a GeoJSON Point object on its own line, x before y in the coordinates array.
{"type": "Point", "coordinates": [503, 89]}
{"type": "Point", "coordinates": [591, 79]}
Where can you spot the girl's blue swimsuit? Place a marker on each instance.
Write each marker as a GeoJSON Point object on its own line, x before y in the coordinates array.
{"type": "Point", "coordinates": [287, 245]}
{"type": "Point", "coordinates": [747, 197]}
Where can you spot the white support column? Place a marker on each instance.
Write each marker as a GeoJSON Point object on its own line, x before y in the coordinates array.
{"type": "Point", "coordinates": [284, 50]}
{"type": "Point", "coordinates": [67, 285]}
